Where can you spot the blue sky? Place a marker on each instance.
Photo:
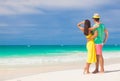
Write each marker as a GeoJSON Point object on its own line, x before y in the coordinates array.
{"type": "Point", "coordinates": [46, 22]}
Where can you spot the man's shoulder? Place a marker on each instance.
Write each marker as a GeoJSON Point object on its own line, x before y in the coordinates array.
{"type": "Point", "coordinates": [101, 24]}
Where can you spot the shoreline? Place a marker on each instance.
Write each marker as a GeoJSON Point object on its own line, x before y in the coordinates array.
{"type": "Point", "coordinates": [44, 60]}
{"type": "Point", "coordinates": [11, 72]}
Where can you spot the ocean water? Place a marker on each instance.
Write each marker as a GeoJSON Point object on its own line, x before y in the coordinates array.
{"type": "Point", "coordinates": [38, 50]}
{"type": "Point", "coordinates": [42, 54]}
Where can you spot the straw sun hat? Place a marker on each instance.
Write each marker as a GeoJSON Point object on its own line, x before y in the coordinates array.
{"type": "Point", "coordinates": [96, 15]}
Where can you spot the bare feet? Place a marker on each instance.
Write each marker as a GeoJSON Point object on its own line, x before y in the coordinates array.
{"type": "Point", "coordinates": [96, 71]}
{"type": "Point", "coordinates": [85, 71]}
{"type": "Point", "coordinates": [101, 71]}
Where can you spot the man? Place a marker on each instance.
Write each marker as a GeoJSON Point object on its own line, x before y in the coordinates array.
{"type": "Point", "coordinates": [102, 36]}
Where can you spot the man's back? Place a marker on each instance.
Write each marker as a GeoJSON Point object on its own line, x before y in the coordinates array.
{"type": "Point", "coordinates": [99, 39]}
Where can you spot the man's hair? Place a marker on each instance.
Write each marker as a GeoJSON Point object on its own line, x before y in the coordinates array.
{"type": "Point", "coordinates": [97, 19]}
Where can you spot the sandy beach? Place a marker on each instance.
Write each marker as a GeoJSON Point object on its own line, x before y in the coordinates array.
{"type": "Point", "coordinates": [72, 71]}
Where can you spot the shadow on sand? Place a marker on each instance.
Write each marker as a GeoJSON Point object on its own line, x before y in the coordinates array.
{"type": "Point", "coordinates": [112, 71]}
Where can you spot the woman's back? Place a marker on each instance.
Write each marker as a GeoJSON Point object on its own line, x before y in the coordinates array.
{"type": "Point", "coordinates": [89, 36]}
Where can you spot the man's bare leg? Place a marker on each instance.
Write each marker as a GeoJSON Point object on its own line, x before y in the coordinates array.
{"type": "Point", "coordinates": [96, 65]}
{"type": "Point", "coordinates": [101, 61]}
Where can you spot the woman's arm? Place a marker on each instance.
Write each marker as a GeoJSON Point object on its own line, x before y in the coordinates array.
{"type": "Point", "coordinates": [92, 28]}
{"type": "Point", "coordinates": [80, 27]}
{"type": "Point", "coordinates": [93, 36]}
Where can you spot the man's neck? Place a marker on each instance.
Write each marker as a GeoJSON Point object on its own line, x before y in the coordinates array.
{"type": "Point", "coordinates": [97, 22]}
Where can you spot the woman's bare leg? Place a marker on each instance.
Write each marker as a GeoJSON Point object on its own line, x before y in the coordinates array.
{"type": "Point", "coordinates": [96, 65]}
{"type": "Point", "coordinates": [86, 69]}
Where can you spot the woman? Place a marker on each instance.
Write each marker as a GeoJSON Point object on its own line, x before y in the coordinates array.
{"type": "Point", "coordinates": [87, 30]}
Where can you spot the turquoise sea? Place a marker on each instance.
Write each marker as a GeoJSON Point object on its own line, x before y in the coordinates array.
{"type": "Point", "coordinates": [46, 50]}
{"type": "Point", "coordinates": [31, 54]}
{"type": "Point", "coordinates": [38, 50]}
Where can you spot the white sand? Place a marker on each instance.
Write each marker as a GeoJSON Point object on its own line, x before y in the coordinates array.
{"type": "Point", "coordinates": [112, 73]}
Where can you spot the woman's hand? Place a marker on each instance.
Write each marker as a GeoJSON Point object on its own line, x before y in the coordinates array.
{"type": "Point", "coordinates": [80, 27]}
{"type": "Point", "coordinates": [82, 22]}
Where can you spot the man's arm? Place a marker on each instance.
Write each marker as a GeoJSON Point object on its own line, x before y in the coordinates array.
{"type": "Point", "coordinates": [106, 36]}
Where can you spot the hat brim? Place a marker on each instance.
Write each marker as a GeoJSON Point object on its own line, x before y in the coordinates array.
{"type": "Point", "coordinates": [95, 17]}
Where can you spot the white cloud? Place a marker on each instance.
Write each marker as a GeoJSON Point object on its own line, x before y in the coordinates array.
{"type": "Point", "coordinates": [113, 30]}
{"type": "Point", "coordinates": [111, 16]}
{"type": "Point", "coordinates": [3, 24]}
{"type": "Point", "coordinates": [13, 7]}
{"type": "Point", "coordinates": [79, 4]}
{"type": "Point", "coordinates": [29, 25]}
{"type": "Point", "coordinates": [32, 6]}
{"type": "Point", "coordinates": [21, 25]}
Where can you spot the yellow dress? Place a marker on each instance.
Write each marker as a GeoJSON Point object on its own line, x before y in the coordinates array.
{"type": "Point", "coordinates": [91, 57]}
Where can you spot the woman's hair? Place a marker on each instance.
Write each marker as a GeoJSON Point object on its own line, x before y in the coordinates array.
{"type": "Point", "coordinates": [87, 25]}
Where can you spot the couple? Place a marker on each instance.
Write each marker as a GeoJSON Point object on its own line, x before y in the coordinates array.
{"type": "Point", "coordinates": [96, 37]}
